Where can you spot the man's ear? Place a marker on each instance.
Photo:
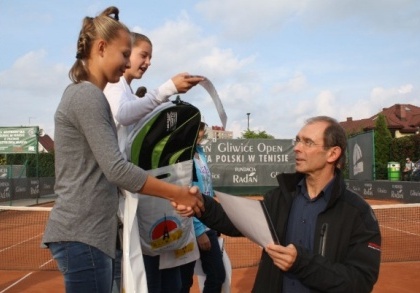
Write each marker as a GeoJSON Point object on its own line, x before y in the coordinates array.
{"type": "Point", "coordinates": [333, 154]}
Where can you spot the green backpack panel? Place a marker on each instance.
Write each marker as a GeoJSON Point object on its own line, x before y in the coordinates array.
{"type": "Point", "coordinates": [165, 136]}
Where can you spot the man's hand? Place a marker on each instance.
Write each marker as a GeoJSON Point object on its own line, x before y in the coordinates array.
{"type": "Point", "coordinates": [189, 204]}
{"type": "Point", "coordinates": [283, 257]}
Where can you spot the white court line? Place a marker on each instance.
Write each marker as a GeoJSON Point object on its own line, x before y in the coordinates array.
{"type": "Point", "coordinates": [24, 277]}
{"type": "Point", "coordinates": [395, 229]}
{"type": "Point", "coordinates": [17, 282]}
{"type": "Point", "coordinates": [28, 274]}
{"type": "Point", "coordinates": [43, 265]}
{"type": "Point", "coordinates": [29, 239]}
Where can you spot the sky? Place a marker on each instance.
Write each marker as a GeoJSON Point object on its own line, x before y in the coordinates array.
{"type": "Point", "coordinates": [282, 61]}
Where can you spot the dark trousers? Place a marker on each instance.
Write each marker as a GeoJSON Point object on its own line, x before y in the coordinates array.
{"type": "Point", "coordinates": [406, 176]}
{"type": "Point", "coordinates": [213, 267]}
{"type": "Point", "coordinates": [161, 281]}
{"type": "Point", "coordinates": [187, 273]}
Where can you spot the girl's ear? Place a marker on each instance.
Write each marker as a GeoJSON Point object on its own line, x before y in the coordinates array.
{"type": "Point", "coordinates": [101, 46]}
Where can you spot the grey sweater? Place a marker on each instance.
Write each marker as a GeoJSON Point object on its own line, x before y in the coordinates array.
{"type": "Point", "coordinates": [88, 169]}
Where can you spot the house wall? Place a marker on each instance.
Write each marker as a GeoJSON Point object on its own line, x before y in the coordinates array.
{"type": "Point", "coordinates": [398, 134]}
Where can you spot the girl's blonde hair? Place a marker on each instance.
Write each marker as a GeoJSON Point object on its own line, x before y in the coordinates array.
{"type": "Point", "coordinates": [103, 26]}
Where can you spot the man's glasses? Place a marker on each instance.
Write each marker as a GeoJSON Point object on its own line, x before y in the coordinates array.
{"type": "Point", "coordinates": [306, 142]}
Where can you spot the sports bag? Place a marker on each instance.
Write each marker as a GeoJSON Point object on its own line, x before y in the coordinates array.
{"type": "Point", "coordinates": [163, 143]}
{"type": "Point", "coordinates": [165, 136]}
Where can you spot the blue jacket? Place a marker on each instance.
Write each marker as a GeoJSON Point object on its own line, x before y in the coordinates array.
{"type": "Point", "coordinates": [199, 227]}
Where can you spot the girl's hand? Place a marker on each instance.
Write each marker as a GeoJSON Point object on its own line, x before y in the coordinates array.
{"type": "Point", "coordinates": [184, 81]}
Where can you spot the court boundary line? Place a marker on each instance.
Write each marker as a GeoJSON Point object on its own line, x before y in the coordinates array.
{"type": "Point", "coordinates": [26, 276]}
{"type": "Point", "coordinates": [17, 282]}
{"type": "Point", "coordinates": [22, 242]}
{"type": "Point", "coordinates": [400, 230]}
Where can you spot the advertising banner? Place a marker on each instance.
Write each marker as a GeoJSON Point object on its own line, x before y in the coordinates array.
{"type": "Point", "coordinates": [361, 157]}
{"type": "Point", "coordinates": [402, 191]}
{"type": "Point", "coordinates": [18, 140]}
{"type": "Point", "coordinates": [26, 188]}
{"type": "Point", "coordinates": [12, 171]}
{"type": "Point", "coordinates": [249, 162]}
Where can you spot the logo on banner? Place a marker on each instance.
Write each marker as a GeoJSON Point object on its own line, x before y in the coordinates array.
{"type": "Point", "coordinates": [398, 193]}
{"type": "Point", "coordinates": [381, 190]}
{"type": "Point", "coordinates": [250, 175]}
{"type": "Point", "coordinates": [357, 160]}
{"type": "Point", "coordinates": [367, 189]}
{"type": "Point", "coordinates": [5, 193]}
{"type": "Point", "coordinates": [414, 192]}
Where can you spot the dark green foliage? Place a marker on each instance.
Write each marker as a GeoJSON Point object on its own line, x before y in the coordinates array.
{"type": "Point", "coordinates": [46, 165]}
{"type": "Point", "coordinates": [416, 142]}
{"type": "Point", "coordinates": [346, 170]}
{"type": "Point", "coordinates": [383, 140]}
{"type": "Point", "coordinates": [249, 134]}
{"type": "Point", "coordinates": [381, 170]}
{"type": "Point", "coordinates": [45, 162]}
{"type": "Point", "coordinates": [405, 147]}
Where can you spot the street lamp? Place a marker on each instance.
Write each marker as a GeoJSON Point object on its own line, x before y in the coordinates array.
{"type": "Point", "coordinates": [248, 119]}
{"type": "Point", "coordinates": [29, 120]}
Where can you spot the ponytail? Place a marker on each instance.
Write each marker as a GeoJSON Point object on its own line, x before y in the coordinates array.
{"type": "Point", "coordinates": [105, 26]}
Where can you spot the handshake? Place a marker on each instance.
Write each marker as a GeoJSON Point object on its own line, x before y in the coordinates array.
{"type": "Point", "coordinates": [188, 202]}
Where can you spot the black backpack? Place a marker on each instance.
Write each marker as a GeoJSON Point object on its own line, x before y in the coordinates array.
{"type": "Point", "coordinates": [165, 136]}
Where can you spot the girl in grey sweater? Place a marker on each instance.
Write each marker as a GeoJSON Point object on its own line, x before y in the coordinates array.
{"type": "Point", "coordinates": [82, 229]}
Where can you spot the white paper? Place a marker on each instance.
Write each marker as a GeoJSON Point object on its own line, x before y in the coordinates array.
{"type": "Point", "coordinates": [209, 87]}
{"type": "Point", "coordinates": [248, 217]}
{"type": "Point", "coordinates": [133, 271]}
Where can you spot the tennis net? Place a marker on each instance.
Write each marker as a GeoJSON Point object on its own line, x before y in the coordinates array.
{"type": "Point", "coordinates": [400, 231]}
{"type": "Point", "coordinates": [22, 228]}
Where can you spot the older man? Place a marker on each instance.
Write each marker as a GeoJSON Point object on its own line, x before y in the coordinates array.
{"type": "Point", "coordinates": [408, 169]}
{"type": "Point", "coordinates": [329, 237]}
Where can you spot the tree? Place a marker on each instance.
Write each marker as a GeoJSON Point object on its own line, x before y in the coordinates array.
{"type": "Point", "coordinates": [383, 140]}
{"type": "Point", "coordinates": [405, 147]}
{"type": "Point", "coordinates": [37, 165]}
{"type": "Point", "coordinates": [249, 134]}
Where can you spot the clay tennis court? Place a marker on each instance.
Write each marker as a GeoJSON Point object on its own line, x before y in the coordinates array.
{"type": "Point", "coordinates": [399, 270]}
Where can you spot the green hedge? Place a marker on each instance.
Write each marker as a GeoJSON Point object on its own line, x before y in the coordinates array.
{"type": "Point", "coordinates": [405, 147]}
{"type": "Point", "coordinates": [45, 163]}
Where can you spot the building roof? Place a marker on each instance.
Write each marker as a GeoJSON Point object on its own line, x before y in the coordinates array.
{"type": "Point", "coordinates": [402, 117]}
{"type": "Point", "coordinates": [47, 143]}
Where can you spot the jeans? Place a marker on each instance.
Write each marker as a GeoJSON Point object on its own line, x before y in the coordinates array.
{"type": "Point", "coordinates": [85, 268]}
{"type": "Point", "coordinates": [213, 267]}
{"type": "Point", "coordinates": [161, 281]}
{"type": "Point", "coordinates": [116, 286]}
